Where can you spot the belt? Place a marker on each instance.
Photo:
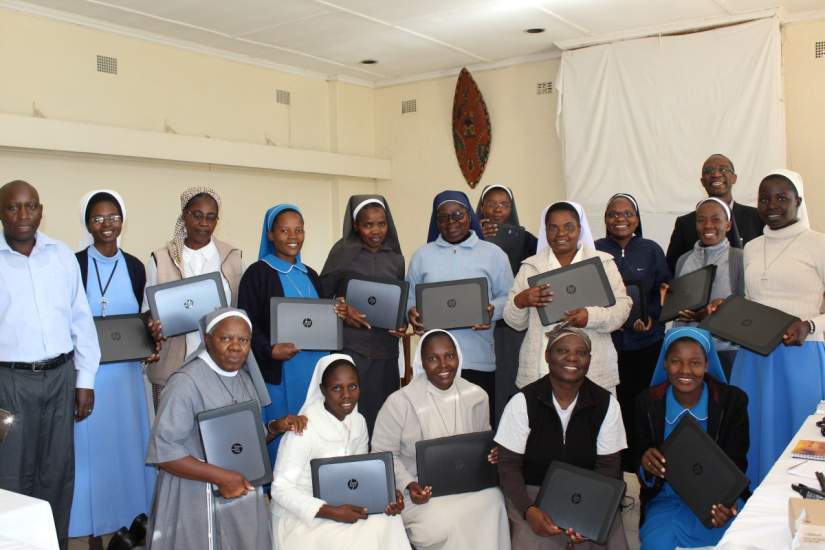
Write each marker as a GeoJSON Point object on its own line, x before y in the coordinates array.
{"type": "Point", "coordinates": [38, 366]}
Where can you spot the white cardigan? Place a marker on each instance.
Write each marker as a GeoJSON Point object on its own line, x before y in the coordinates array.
{"type": "Point", "coordinates": [601, 321]}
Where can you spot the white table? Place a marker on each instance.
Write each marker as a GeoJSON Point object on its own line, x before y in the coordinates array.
{"type": "Point", "coordinates": [26, 523]}
{"type": "Point", "coordinates": [763, 522]}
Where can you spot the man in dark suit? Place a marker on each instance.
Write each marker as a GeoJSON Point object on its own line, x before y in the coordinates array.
{"type": "Point", "coordinates": [718, 179]}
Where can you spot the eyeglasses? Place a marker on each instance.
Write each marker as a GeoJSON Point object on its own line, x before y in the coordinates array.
{"type": "Point", "coordinates": [613, 214]}
{"type": "Point", "coordinates": [199, 216]}
{"type": "Point", "coordinates": [708, 170]}
{"type": "Point", "coordinates": [503, 205]}
{"type": "Point", "coordinates": [111, 218]}
{"type": "Point", "coordinates": [456, 216]}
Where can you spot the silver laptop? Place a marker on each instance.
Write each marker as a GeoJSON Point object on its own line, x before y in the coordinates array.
{"type": "Point", "coordinates": [383, 301]}
{"type": "Point", "coordinates": [180, 305]}
{"type": "Point", "coordinates": [310, 324]}
{"type": "Point", "coordinates": [123, 338]}
{"type": "Point", "coordinates": [233, 438]}
{"type": "Point", "coordinates": [453, 304]}
{"type": "Point", "coordinates": [582, 284]}
{"type": "Point", "coordinates": [366, 480]}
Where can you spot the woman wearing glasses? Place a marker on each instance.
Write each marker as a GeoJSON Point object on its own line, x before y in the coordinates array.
{"type": "Point", "coordinates": [191, 252]}
{"type": "Point", "coordinates": [112, 483]}
{"type": "Point", "coordinates": [643, 268]}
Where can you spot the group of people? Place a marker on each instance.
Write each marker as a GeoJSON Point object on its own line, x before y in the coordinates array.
{"type": "Point", "coordinates": [601, 390]}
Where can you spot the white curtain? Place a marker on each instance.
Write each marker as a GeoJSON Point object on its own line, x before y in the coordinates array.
{"type": "Point", "coordinates": [641, 116]}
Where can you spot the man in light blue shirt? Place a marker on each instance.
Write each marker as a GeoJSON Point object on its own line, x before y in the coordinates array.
{"type": "Point", "coordinates": [46, 334]}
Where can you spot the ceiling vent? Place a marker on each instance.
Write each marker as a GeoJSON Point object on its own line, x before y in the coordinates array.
{"type": "Point", "coordinates": [282, 97]}
{"type": "Point", "coordinates": [544, 88]}
{"type": "Point", "coordinates": [106, 64]}
{"type": "Point", "coordinates": [819, 50]}
{"type": "Point", "coordinates": [408, 106]}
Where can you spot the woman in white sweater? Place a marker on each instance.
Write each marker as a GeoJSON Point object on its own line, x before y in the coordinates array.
{"type": "Point", "coordinates": [565, 238]}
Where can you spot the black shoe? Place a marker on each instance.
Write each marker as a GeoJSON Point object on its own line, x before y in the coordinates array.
{"type": "Point", "coordinates": [121, 540]}
{"type": "Point", "coordinates": [138, 529]}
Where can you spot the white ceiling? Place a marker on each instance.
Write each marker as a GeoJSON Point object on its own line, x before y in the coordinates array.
{"type": "Point", "coordinates": [409, 38]}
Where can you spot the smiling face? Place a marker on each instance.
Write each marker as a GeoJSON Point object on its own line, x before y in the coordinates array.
{"type": "Point", "coordinates": [453, 221]}
{"type": "Point", "coordinates": [777, 202]}
{"type": "Point", "coordinates": [712, 223]}
{"type": "Point", "coordinates": [200, 218]}
{"type": "Point", "coordinates": [229, 342]}
{"type": "Point", "coordinates": [497, 206]}
{"type": "Point", "coordinates": [371, 226]}
{"type": "Point", "coordinates": [440, 360]}
{"type": "Point", "coordinates": [686, 364]}
{"type": "Point", "coordinates": [108, 230]}
{"type": "Point", "coordinates": [563, 232]}
{"type": "Point", "coordinates": [568, 359]}
{"type": "Point", "coordinates": [621, 219]}
{"type": "Point", "coordinates": [20, 212]}
{"type": "Point", "coordinates": [287, 235]}
{"type": "Point", "coordinates": [718, 177]}
{"type": "Point", "coordinates": [340, 388]}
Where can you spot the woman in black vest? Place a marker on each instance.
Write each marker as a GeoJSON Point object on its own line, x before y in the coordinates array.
{"type": "Point", "coordinates": [562, 416]}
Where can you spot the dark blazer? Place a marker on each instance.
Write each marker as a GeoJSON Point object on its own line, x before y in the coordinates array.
{"type": "Point", "coordinates": [137, 272]}
{"type": "Point", "coordinates": [260, 283]}
{"type": "Point", "coordinates": [727, 425]}
{"type": "Point", "coordinates": [746, 227]}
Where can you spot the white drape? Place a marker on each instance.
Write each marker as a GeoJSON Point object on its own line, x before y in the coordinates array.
{"type": "Point", "coordinates": [641, 116]}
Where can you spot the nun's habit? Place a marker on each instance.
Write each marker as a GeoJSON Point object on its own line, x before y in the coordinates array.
{"type": "Point", "coordinates": [522, 247]}
{"type": "Point", "coordinates": [186, 514]}
{"type": "Point", "coordinates": [293, 506]}
{"type": "Point", "coordinates": [374, 351]}
{"type": "Point", "coordinates": [421, 411]}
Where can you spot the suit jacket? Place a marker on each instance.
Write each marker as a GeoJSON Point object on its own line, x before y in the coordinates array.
{"type": "Point", "coordinates": [746, 227]}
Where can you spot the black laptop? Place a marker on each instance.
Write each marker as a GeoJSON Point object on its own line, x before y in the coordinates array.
{"type": "Point", "coordinates": [453, 304]}
{"type": "Point", "coordinates": [366, 480]}
{"type": "Point", "coordinates": [123, 338]}
{"type": "Point", "coordinates": [639, 309]}
{"type": "Point", "coordinates": [581, 500]}
{"type": "Point", "coordinates": [180, 305]}
{"type": "Point", "coordinates": [699, 471]}
{"type": "Point", "coordinates": [456, 464]}
{"type": "Point", "coordinates": [507, 236]}
{"type": "Point", "coordinates": [690, 291]}
{"type": "Point", "coordinates": [582, 284]}
{"type": "Point", "coordinates": [752, 325]}
{"type": "Point", "coordinates": [383, 301]}
{"type": "Point", "coordinates": [310, 324]}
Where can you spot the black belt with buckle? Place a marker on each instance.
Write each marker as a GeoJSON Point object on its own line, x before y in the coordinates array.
{"type": "Point", "coordinates": [37, 366]}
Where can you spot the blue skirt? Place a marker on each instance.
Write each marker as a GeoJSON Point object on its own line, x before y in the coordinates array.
{"type": "Point", "coordinates": [783, 389]}
{"type": "Point", "coordinates": [112, 482]}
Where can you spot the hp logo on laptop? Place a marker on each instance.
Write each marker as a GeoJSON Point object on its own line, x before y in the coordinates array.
{"type": "Point", "coordinates": [352, 484]}
{"type": "Point", "coordinates": [576, 498]}
{"type": "Point", "coordinates": [237, 448]}
{"type": "Point", "coordinates": [115, 336]}
{"type": "Point", "coordinates": [189, 304]}
{"type": "Point", "coordinates": [307, 322]}
{"type": "Point", "coordinates": [451, 302]}
{"type": "Point", "coordinates": [747, 322]}
{"type": "Point", "coordinates": [697, 469]}
{"type": "Point", "coordinates": [571, 289]}
{"type": "Point", "coordinates": [371, 300]}
{"type": "Point", "coordinates": [458, 464]}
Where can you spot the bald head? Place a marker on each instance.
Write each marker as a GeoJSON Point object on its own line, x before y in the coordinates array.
{"type": "Point", "coordinates": [718, 177]}
{"type": "Point", "coordinates": [20, 213]}
{"type": "Point", "coordinates": [14, 185]}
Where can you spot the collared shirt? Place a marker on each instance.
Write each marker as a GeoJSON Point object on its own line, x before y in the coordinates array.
{"type": "Point", "coordinates": [43, 308]}
{"type": "Point", "coordinates": [674, 411]}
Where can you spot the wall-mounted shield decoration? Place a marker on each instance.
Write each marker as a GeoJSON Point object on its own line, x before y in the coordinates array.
{"type": "Point", "coordinates": [472, 133]}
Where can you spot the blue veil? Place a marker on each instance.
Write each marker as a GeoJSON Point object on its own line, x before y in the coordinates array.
{"type": "Point", "coordinates": [703, 338]}
{"type": "Point", "coordinates": [266, 252]}
{"type": "Point", "coordinates": [455, 196]}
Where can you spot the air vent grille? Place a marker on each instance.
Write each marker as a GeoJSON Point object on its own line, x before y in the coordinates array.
{"type": "Point", "coordinates": [543, 88]}
{"type": "Point", "coordinates": [283, 97]}
{"type": "Point", "coordinates": [819, 50]}
{"type": "Point", "coordinates": [408, 106]}
{"type": "Point", "coordinates": [106, 64]}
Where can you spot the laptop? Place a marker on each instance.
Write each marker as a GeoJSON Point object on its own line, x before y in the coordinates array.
{"type": "Point", "coordinates": [461, 303]}
{"type": "Point", "coordinates": [456, 464]}
{"type": "Point", "coordinates": [639, 309]}
{"type": "Point", "coordinates": [752, 325]}
{"type": "Point", "coordinates": [507, 236]}
{"type": "Point", "coordinates": [690, 291]}
{"type": "Point", "coordinates": [233, 438]}
{"type": "Point", "coordinates": [310, 324]}
{"type": "Point", "coordinates": [581, 500]}
{"type": "Point", "coordinates": [581, 284]}
{"type": "Point", "coordinates": [699, 471]}
{"type": "Point", "coordinates": [180, 305]}
{"type": "Point", "coordinates": [383, 301]}
{"type": "Point", "coordinates": [366, 480]}
{"type": "Point", "coordinates": [123, 338]}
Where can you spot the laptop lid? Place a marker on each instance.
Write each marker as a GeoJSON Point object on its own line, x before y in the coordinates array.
{"type": "Point", "coordinates": [366, 480]}
{"type": "Point", "coordinates": [310, 324]}
{"type": "Point", "coordinates": [383, 301]}
{"type": "Point", "coordinates": [123, 338]}
{"type": "Point", "coordinates": [699, 471]}
{"type": "Point", "coordinates": [180, 305]}
{"type": "Point", "coordinates": [233, 438]}
{"type": "Point", "coordinates": [581, 284]}
{"type": "Point", "coordinates": [581, 500]}
{"type": "Point", "coordinates": [639, 308]}
{"type": "Point", "coordinates": [507, 236]}
{"type": "Point", "coordinates": [690, 291]}
{"type": "Point", "coordinates": [456, 464]}
{"type": "Point", "coordinates": [460, 303]}
{"type": "Point", "coordinates": [750, 324]}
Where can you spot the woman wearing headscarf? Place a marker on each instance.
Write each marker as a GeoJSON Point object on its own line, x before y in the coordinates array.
{"type": "Point", "coordinates": [784, 269]}
{"type": "Point", "coordinates": [455, 250]}
{"type": "Point", "coordinates": [369, 247]}
{"type": "Point", "coordinates": [112, 483]}
{"type": "Point", "coordinates": [562, 416]}
{"type": "Point", "coordinates": [565, 238]}
{"type": "Point", "coordinates": [642, 265]}
{"type": "Point", "coordinates": [497, 212]}
{"type": "Point", "coordinates": [439, 403]}
{"type": "Point", "coordinates": [186, 512]}
{"type": "Point", "coordinates": [713, 248]}
{"type": "Point", "coordinates": [334, 428]}
{"type": "Point", "coordinates": [192, 251]}
{"type": "Point", "coordinates": [279, 272]}
{"type": "Point", "coordinates": [688, 381]}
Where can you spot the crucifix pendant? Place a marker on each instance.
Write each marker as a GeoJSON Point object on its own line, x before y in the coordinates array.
{"type": "Point", "coordinates": [103, 303]}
